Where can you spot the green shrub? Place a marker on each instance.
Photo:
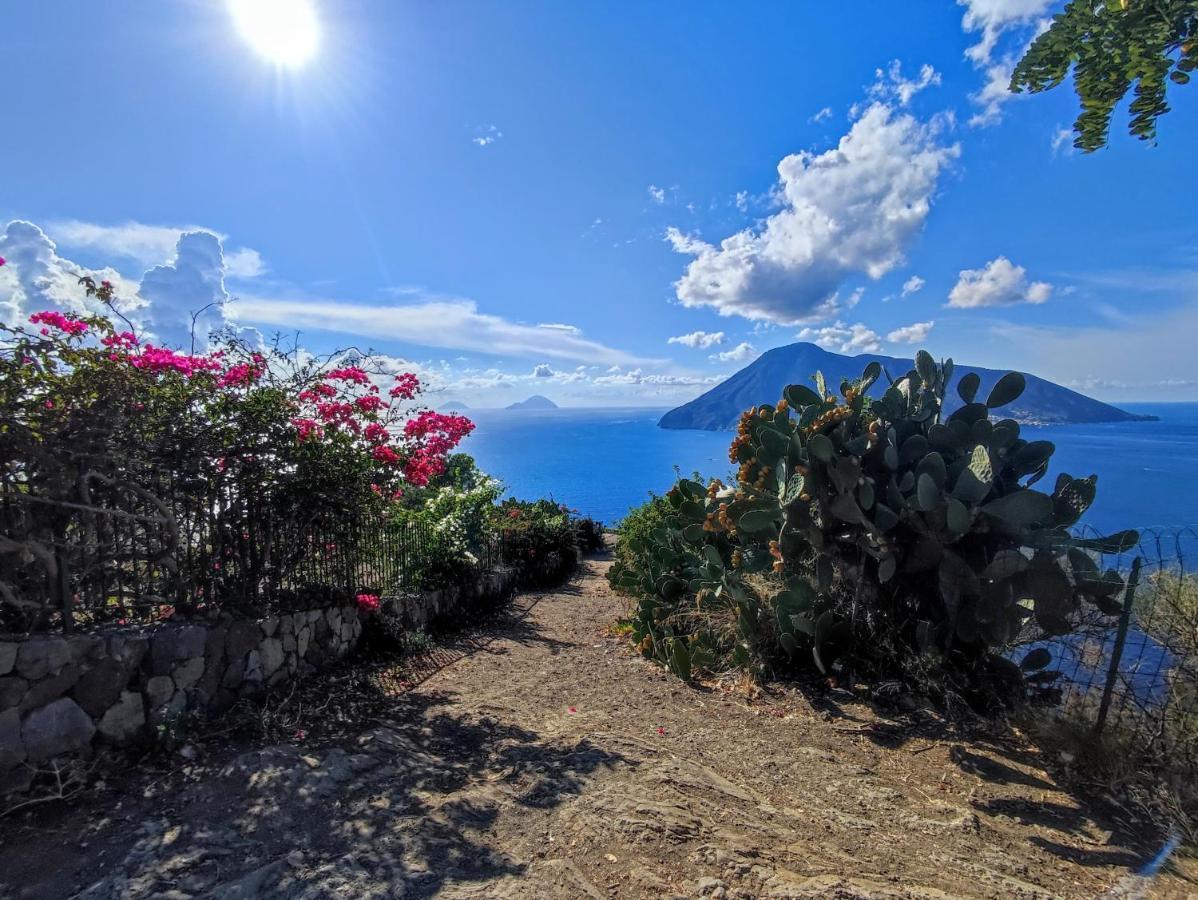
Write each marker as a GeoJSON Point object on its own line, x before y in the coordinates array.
{"type": "Point", "coordinates": [634, 545]}
{"type": "Point", "coordinates": [590, 535]}
{"type": "Point", "coordinates": [540, 540]}
{"type": "Point", "coordinates": [873, 532]}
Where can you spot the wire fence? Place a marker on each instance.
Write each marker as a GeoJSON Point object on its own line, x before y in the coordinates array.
{"type": "Point", "coordinates": [1135, 673]}
{"type": "Point", "coordinates": [127, 555]}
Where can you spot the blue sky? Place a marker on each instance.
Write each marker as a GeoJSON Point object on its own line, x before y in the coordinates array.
{"type": "Point", "coordinates": [536, 197]}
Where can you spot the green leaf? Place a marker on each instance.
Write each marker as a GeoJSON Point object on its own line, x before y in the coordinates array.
{"type": "Point", "coordinates": [798, 396]}
{"type": "Point", "coordinates": [1006, 390]}
{"type": "Point", "coordinates": [1020, 509]}
{"type": "Point", "coordinates": [967, 387]}
{"type": "Point", "coordinates": [680, 659]}
{"type": "Point", "coordinates": [926, 493]}
{"type": "Point", "coordinates": [756, 520]}
{"type": "Point", "coordinates": [925, 365]}
{"type": "Point", "coordinates": [1005, 563]}
{"type": "Point", "coordinates": [1035, 660]}
{"type": "Point", "coordinates": [821, 447]}
{"type": "Point", "coordinates": [957, 516]}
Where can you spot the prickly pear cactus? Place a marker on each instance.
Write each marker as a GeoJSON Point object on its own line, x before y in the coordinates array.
{"type": "Point", "coordinates": [880, 523]}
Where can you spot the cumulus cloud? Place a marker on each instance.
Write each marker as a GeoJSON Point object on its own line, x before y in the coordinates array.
{"type": "Point", "coordinates": [656, 194]}
{"type": "Point", "coordinates": [912, 285]}
{"type": "Point", "coordinates": [35, 277]}
{"type": "Point", "coordinates": [543, 371]}
{"type": "Point", "coordinates": [150, 245]}
{"type": "Point", "coordinates": [852, 209]}
{"type": "Point", "coordinates": [742, 352]}
{"type": "Point", "coordinates": [842, 338]}
{"type": "Point", "coordinates": [910, 334]}
{"type": "Point", "coordinates": [999, 283]}
{"type": "Point", "coordinates": [187, 296]}
{"type": "Point", "coordinates": [698, 339]}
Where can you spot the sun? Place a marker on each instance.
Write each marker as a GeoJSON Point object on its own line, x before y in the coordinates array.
{"type": "Point", "coordinates": [286, 32]}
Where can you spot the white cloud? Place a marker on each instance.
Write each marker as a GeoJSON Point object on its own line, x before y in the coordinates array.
{"type": "Point", "coordinates": [852, 209]}
{"type": "Point", "coordinates": [912, 285]}
{"type": "Point", "coordinates": [558, 326]}
{"type": "Point", "coordinates": [994, 93]}
{"type": "Point", "coordinates": [823, 115]}
{"type": "Point", "coordinates": [187, 296]}
{"type": "Point", "coordinates": [999, 283]}
{"type": "Point", "coordinates": [543, 371]}
{"type": "Point", "coordinates": [149, 245]}
{"type": "Point", "coordinates": [910, 334]}
{"type": "Point", "coordinates": [446, 322]}
{"type": "Point", "coordinates": [487, 136]}
{"type": "Point", "coordinates": [891, 85]}
{"type": "Point", "coordinates": [1062, 141]}
{"type": "Point", "coordinates": [698, 339]}
{"type": "Point", "coordinates": [994, 17]}
{"type": "Point", "coordinates": [1149, 358]}
{"type": "Point", "coordinates": [741, 200]}
{"type": "Point", "coordinates": [742, 352]}
{"type": "Point", "coordinates": [991, 19]}
{"type": "Point", "coordinates": [842, 338]}
{"type": "Point", "coordinates": [656, 194]}
{"type": "Point", "coordinates": [35, 277]}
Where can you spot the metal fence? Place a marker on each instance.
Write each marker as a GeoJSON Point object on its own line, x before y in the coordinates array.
{"type": "Point", "coordinates": [1137, 673]}
{"type": "Point", "coordinates": [131, 555]}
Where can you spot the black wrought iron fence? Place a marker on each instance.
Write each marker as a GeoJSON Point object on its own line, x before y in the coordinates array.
{"type": "Point", "coordinates": [116, 554]}
{"type": "Point", "coordinates": [1137, 672]}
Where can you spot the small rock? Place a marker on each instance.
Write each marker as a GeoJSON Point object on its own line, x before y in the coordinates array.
{"type": "Point", "coordinates": [58, 727]}
{"type": "Point", "coordinates": [124, 719]}
{"type": "Point", "coordinates": [39, 657]}
{"type": "Point", "coordinates": [295, 858]}
{"type": "Point", "coordinates": [8, 657]}
{"type": "Point", "coordinates": [159, 691]}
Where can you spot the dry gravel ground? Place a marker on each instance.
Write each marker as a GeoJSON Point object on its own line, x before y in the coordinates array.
{"type": "Point", "coordinates": [543, 758]}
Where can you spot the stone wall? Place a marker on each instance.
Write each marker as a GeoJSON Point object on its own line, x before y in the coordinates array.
{"type": "Point", "coordinates": [59, 694]}
{"type": "Point", "coordinates": [63, 695]}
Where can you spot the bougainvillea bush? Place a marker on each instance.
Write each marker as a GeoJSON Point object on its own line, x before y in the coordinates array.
{"type": "Point", "coordinates": [139, 473]}
{"type": "Point", "coordinates": [871, 536]}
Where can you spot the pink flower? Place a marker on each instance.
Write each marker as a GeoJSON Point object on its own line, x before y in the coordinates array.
{"type": "Point", "coordinates": [376, 433]}
{"type": "Point", "coordinates": [49, 404]}
{"type": "Point", "coordinates": [385, 455]}
{"type": "Point", "coordinates": [355, 374]}
{"type": "Point", "coordinates": [241, 375]}
{"type": "Point", "coordinates": [65, 323]}
{"type": "Point", "coordinates": [406, 387]}
{"type": "Point", "coordinates": [306, 428]}
{"type": "Point", "coordinates": [368, 603]}
{"type": "Point", "coordinates": [661, 730]}
{"type": "Point", "coordinates": [369, 403]}
{"type": "Point", "coordinates": [2, 260]}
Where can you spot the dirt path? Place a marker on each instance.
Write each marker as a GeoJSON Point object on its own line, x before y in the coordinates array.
{"type": "Point", "coordinates": [551, 761]}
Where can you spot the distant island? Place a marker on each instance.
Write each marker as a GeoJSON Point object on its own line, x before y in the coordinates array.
{"type": "Point", "coordinates": [536, 401]}
{"type": "Point", "coordinates": [762, 381]}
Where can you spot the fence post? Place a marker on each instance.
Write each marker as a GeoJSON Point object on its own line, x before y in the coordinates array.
{"type": "Point", "coordinates": [1117, 651]}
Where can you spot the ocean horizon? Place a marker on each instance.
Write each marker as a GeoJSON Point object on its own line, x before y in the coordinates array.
{"type": "Point", "coordinates": [604, 461]}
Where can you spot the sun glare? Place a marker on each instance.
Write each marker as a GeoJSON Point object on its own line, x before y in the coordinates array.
{"type": "Point", "coordinates": [286, 32]}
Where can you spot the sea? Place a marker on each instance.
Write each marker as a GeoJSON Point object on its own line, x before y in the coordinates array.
{"type": "Point", "coordinates": [602, 462]}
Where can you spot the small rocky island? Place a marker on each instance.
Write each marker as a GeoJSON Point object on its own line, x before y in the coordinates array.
{"type": "Point", "coordinates": [536, 401]}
